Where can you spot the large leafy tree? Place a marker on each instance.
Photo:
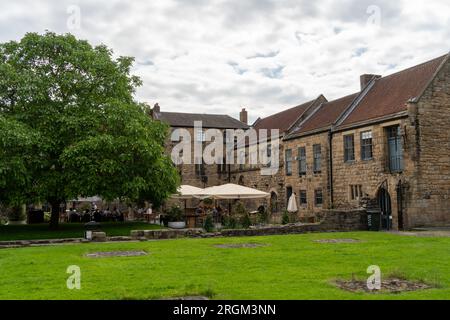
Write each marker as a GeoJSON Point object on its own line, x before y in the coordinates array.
{"type": "Point", "coordinates": [73, 128]}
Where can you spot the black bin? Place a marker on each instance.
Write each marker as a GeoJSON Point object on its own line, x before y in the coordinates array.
{"type": "Point", "coordinates": [374, 220]}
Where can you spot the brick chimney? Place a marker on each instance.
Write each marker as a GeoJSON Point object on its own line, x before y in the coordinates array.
{"type": "Point", "coordinates": [156, 108]}
{"type": "Point", "coordinates": [243, 116]}
{"type": "Point", "coordinates": [366, 78]}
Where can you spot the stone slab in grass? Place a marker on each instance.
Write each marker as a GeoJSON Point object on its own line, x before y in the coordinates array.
{"type": "Point", "coordinates": [108, 254]}
{"type": "Point", "coordinates": [337, 241]}
{"type": "Point", "coordinates": [240, 245]}
{"type": "Point", "coordinates": [393, 285]}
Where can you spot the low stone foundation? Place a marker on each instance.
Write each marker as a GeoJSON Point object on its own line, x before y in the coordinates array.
{"type": "Point", "coordinates": [164, 234]}
{"type": "Point", "coordinates": [330, 220]}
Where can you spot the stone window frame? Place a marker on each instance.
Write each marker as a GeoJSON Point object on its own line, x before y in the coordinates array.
{"type": "Point", "coordinates": [302, 161]}
{"type": "Point", "coordinates": [317, 158]}
{"type": "Point", "coordinates": [366, 147]}
{"type": "Point", "coordinates": [393, 134]}
{"type": "Point", "coordinates": [288, 162]}
{"type": "Point", "coordinates": [318, 197]}
{"type": "Point", "coordinates": [349, 148]}
{"type": "Point", "coordinates": [302, 195]}
{"type": "Point", "coordinates": [355, 192]}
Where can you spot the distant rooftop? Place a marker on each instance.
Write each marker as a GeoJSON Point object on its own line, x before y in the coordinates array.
{"type": "Point", "coordinates": [186, 120]}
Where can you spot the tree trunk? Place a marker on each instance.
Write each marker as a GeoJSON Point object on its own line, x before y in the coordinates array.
{"type": "Point", "coordinates": [54, 218]}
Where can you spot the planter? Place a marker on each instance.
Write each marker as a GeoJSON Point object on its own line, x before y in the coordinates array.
{"type": "Point", "coordinates": [17, 223]}
{"type": "Point", "coordinates": [177, 225]}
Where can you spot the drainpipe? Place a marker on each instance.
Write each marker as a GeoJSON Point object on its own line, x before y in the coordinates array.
{"type": "Point", "coordinates": [330, 175]}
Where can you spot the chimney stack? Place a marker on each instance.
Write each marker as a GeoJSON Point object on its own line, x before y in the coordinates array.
{"type": "Point", "coordinates": [156, 108]}
{"type": "Point", "coordinates": [366, 78]}
{"type": "Point", "coordinates": [243, 116]}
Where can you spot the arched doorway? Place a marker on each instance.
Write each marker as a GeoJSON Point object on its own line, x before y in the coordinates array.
{"type": "Point", "coordinates": [273, 202]}
{"type": "Point", "coordinates": [384, 202]}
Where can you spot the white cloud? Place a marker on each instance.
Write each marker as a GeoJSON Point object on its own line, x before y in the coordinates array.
{"type": "Point", "coordinates": [266, 55]}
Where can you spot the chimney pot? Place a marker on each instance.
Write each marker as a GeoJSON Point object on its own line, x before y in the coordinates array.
{"type": "Point", "coordinates": [366, 78]}
{"type": "Point", "coordinates": [243, 116]}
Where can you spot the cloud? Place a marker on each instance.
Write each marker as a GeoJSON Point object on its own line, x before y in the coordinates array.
{"type": "Point", "coordinates": [265, 55]}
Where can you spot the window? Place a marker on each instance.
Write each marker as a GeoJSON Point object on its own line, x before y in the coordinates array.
{"type": "Point", "coordinates": [222, 167]}
{"type": "Point", "coordinates": [199, 168]}
{"type": "Point", "coordinates": [317, 151]}
{"type": "Point", "coordinates": [356, 192]}
{"type": "Point", "coordinates": [242, 160]}
{"type": "Point", "coordinates": [288, 160]}
{"type": "Point", "coordinates": [201, 135]}
{"type": "Point", "coordinates": [301, 161]}
{"type": "Point", "coordinates": [318, 200]}
{"type": "Point", "coordinates": [303, 198]}
{"type": "Point", "coordinates": [395, 149]}
{"type": "Point", "coordinates": [349, 148]}
{"type": "Point", "coordinates": [269, 155]}
{"type": "Point", "coordinates": [366, 145]}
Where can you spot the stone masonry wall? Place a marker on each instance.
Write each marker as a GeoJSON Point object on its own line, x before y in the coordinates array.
{"type": "Point", "coordinates": [369, 174]}
{"type": "Point", "coordinates": [311, 181]}
{"type": "Point", "coordinates": [430, 129]}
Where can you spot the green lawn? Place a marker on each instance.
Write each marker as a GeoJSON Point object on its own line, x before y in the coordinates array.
{"type": "Point", "coordinates": [68, 230]}
{"type": "Point", "coordinates": [289, 267]}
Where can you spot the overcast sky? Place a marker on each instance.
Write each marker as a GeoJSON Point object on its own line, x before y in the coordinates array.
{"type": "Point", "coordinates": [266, 55]}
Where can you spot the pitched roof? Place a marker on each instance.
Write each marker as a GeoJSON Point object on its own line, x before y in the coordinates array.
{"type": "Point", "coordinates": [284, 119]}
{"type": "Point", "coordinates": [389, 95]}
{"type": "Point", "coordinates": [325, 116]}
{"type": "Point", "coordinates": [186, 120]}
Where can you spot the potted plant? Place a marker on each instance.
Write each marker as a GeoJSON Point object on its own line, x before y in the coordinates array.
{"type": "Point", "coordinates": [17, 216]}
{"type": "Point", "coordinates": [175, 218]}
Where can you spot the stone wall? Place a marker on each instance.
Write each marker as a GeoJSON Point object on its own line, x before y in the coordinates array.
{"type": "Point", "coordinates": [311, 181]}
{"type": "Point", "coordinates": [369, 174]}
{"type": "Point", "coordinates": [330, 220]}
{"type": "Point", "coordinates": [429, 192]}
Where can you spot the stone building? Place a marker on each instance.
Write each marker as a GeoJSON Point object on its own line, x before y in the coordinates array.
{"type": "Point", "coordinates": [251, 176]}
{"type": "Point", "coordinates": [392, 147]}
{"type": "Point", "coordinates": [308, 145]}
{"type": "Point", "coordinates": [197, 173]}
{"type": "Point", "coordinates": [386, 147]}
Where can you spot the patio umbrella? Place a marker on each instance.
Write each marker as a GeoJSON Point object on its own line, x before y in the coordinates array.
{"type": "Point", "coordinates": [292, 204]}
{"type": "Point", "coordinates": [187, 192]}
{"type": "Point", "coordinates": [233, 191]}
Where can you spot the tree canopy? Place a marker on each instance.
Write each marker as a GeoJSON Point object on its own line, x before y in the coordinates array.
{"type": "Point", "coordinates": [69, 126]}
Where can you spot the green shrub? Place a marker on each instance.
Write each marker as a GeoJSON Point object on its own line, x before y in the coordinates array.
{"type": "Point", "coordinates": [239, 209]}
{"type": "Point", "coordinates": [208, 225]}
{"type": "Point", "coordinates": [208, 202]}
{"type": "Point", "coordinates": [246, 222]}
{"type": "Point", "coordinates": [263, 215]}
{"type": "Point", "coordinates": [285, 219]}
{"type": "Point", "coordinates": [229, 222]}
{"type": "Point", "coordinates": [175, 214]}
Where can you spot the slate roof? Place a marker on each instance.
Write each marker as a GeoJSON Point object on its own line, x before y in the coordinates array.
{"type": "Point", "coordinates": [325, 116]}
{"type": "Point", "coordinates": [284, 119]}
{"type": "Point", "coordinates": [389, 95]}
{"type": "Point", "coordinates": [186, 120]}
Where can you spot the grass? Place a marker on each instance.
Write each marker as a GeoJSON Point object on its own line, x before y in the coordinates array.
{"type": "Point", "coordinates": [288, 267]}
{"type": "Point", "coordinates": [68, 230]}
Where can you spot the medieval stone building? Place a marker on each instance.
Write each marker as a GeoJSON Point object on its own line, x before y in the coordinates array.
{"type": "Point", "coordinates": [386, 147]}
